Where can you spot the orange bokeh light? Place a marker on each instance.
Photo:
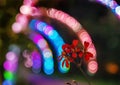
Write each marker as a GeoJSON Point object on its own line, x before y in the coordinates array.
{"type": "Point", "coordinates": [112, 68]}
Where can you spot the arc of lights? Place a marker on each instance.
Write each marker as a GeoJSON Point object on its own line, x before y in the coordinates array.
{"type": "Point", "coordinates": [31, 11]}
{"type": "Point", "coordinates": [78, 29]}
{"type": "Point", "coordinates": [48, 63]}
{"type": "Point", "coordinates": [10, 65]}
{"type": "Point", "coordinates": [112, 4]}
{"type": "Point", "coordinates": [53, 36]}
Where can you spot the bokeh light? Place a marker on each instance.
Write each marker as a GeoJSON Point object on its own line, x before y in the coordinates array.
{"type": "Point", "coordinates": [11, 56]}
{"type": "Point", "coordinates": [8, 75]}
{"type": "Point", "coordinates": [92, 67]}
{"type": "Point", "coordinates": [37, 62]}
{"type": "Point", "coordinates": [7, 82]}
{"type": "Point", "coordinates": [51, 35]}
{"type": "Point", "coordinates": [10, 66]}
{"type": "Point", "coordinates": [42, 43]}
{"type": "Point", "coordinates": [17, 27]}
{"type": "Point", "coordinates": [112, 68]}
{"type": "Point", "coordinates": [26, 9]}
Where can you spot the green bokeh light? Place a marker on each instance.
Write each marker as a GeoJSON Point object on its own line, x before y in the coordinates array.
{"type": "Point", "coordinates": [8, 75]}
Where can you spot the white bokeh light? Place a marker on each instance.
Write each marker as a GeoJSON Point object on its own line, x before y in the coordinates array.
{"type": "Point", "coordinates": [11, 56]}
{"type": "Point", "coordinates": [25, 9]}
{"type": "Point", "coordinates": [117, 10]}
{"type": "Point", "coordinates": [17, 27]}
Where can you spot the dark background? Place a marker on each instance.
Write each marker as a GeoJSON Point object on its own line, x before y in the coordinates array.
{"type": "Point", "coordinates": [97, 19]}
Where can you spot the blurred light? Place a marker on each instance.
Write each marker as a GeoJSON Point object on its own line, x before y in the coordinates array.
{"type": "Point", "coordinates": [42, 43]}
{"type": "Point", "coordinates": [92, 67]}
{"type": "Point", "coordinates": [92, 50]}
{"type": "Point", "coordinates": [11, 56]}
{"type": "Point", "coordinates": [21, 19]}
{"type": "Point", "coordinates": [64, 18]}
{"type": "Point", "coordinates": [113, 5]}
{"type": "Point", "coordinates": [112, 68]}
{"type": "Point", "coordinates": [26, 54]}
{"type": "Point", "coordinates": [30, 2]}
{"type": "Point", "coordinates": [37, 62]}
{"type": "Point", "coordinates": [17, 27]}
{"type": "Point", "coordinates": [28, 63]}
{"type": "Point", "coordinates": [7, 82]}
{"type": "Point", "coordinates": [14, 48]}
{"type": "Point", "coordinates": [47, 53]}
{"type": "Point", "coordinates": [41, 26]}
{"type": "Point", "coordinates": [36, 70]}
{"type": "Point", "coordinates": [48, 67]}
{"type": "Point", "coordinates": [84, 37]}
{"type": "Point", "coordinates": [117, 10]}
{"type": "Point", "coordinates": [33, 24]}
{"type": "Point", "coordinates": [53, 34]}
{"type": "Point", "coordinates": [8, 75]}
{"type": "Point", "coordinates": [25, 9]}
{"type": "Point", "coordinates": [10, 66]}
{"type": "Point", "coordinates": [47, 29]}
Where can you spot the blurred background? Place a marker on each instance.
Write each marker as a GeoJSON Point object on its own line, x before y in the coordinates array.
{"type": "Point", "coordinates": [97, 19]}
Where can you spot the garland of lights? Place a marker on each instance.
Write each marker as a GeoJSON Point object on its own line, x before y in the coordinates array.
{"type": "Point", "coordinates": [112, 4]}
{"type": "Point", "coordinates": [53, 36]}
{"type": "Point", "coordinates": [11, 65]}
{"type": "Point", "coordinates": [48, 63]}
{"type": "Point", "coordinates": [28, 10]}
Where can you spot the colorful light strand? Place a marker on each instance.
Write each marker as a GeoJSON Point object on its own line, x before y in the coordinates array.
{"type": "Point", "coordinates": [10, 65]}
{"type": "Point", "coordinates": [52, 35]}
{"type": "Point", "coordinates": [48, 63]}
{"type": "Point", "coordinates": [77, 28]}
{"type": "Point", "coordinates": [37, 61]}
{"type": "Point", "coordinates": [29, 10]}
{"type": "Point", "coordinates": [112, 4]}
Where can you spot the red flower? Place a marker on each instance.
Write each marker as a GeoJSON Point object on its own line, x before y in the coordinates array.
{"type": "Point", "coordinates": [66, 48]}
{"type": "Point", "coordinates": [80, 54]}
{"type": "Point", "coordinates": [75, 43]}
{"type": "Point", "coordinates": [71, 52]}
{"type": "Point", "coordinates": [66, 62]}
{"type": "Point", "coordinates": [87, 55]}
{"type": "Point", "coordinates": [74, 55]}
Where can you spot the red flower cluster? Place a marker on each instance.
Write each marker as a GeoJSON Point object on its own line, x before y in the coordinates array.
{"type": "Point", "coordinates": [72, 52]}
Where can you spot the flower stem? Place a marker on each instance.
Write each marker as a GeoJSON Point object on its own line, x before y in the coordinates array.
{"type": "Point", "coordinates": [89, 83]}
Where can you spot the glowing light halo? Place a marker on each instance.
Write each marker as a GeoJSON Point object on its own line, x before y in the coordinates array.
{"type": "Point", "coordinates": [52, 35]}
{"type": "Point", "coordinates": [36, 38]}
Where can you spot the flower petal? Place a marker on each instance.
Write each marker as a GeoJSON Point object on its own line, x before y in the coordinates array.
{"type": "Point", "coordinates": [75, 43]}
{"type": "Point", "coordinates": [77, 50]}
{"type": "Point", "coordinates": [67, 63]}
{"type": "Point", "coordinates": [74, 55]}
{"type": "Point", "coordinates": [65, 46]}
{"type": "Point", "coordinates": [80, 54]}
{"type": "Point", "coordinates": [71, 59]}
{"type": "Point", "coordinates": [86, 44]}
{"type": "Point", "coordinates": [88, 55]}
{"type": "Point", "coordinates": [63, 63]}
